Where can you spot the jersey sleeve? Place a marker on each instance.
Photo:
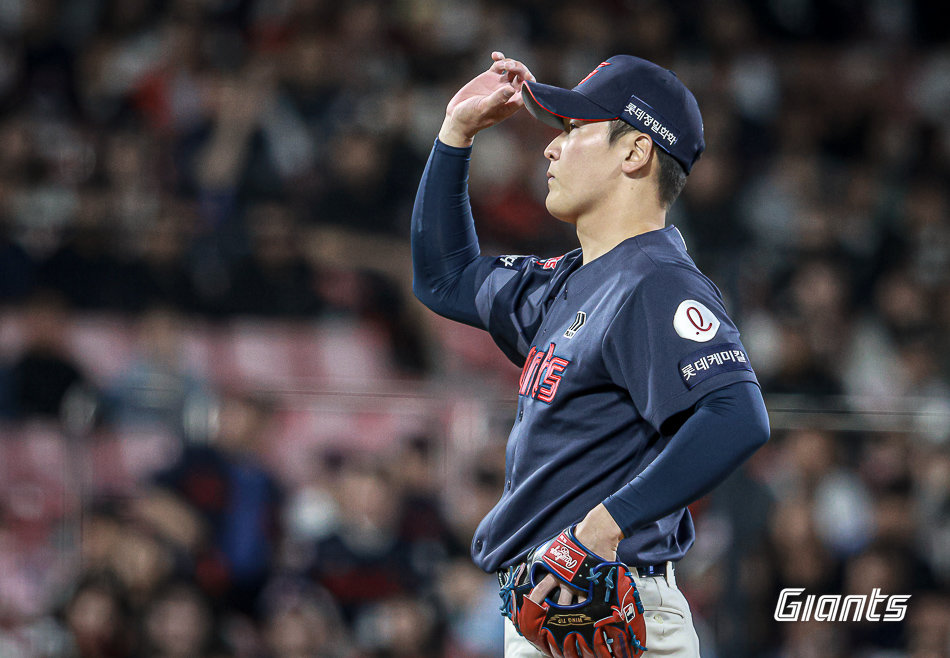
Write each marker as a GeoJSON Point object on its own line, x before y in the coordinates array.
{"type": "Point", "coordinates": [505, 295]}
{"type": "Point", "coordinates": [672, 342]}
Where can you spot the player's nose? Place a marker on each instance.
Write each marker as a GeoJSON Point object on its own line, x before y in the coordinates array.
{"type": "Point", "coordinates": [553, 150]}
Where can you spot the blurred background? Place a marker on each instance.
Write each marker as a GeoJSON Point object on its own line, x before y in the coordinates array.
{"type": "Point", "coordinates": [228, 429]}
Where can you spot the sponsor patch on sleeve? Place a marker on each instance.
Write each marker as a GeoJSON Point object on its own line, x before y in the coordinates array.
{"type": "Point", "coordinates": [711, 361]}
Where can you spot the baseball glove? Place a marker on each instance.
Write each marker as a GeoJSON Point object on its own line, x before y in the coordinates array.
{"type": "Point", "coordinates": [608, 623]}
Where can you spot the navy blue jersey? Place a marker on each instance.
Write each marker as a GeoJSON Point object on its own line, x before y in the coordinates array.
{"type": "Point", "coordinates": [609, 352]}
{"type": "Point", "coordinates": [613, 354]}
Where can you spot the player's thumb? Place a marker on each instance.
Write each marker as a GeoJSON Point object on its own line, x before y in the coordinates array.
{"type": "Point", "coordinates": [500, 96]}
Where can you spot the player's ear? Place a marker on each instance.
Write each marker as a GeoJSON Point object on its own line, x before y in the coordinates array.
{"type": "Point", "coordinates": [638, 149]}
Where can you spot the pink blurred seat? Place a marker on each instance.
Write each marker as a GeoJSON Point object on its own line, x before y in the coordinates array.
{"type": "Point", "coordinates": [101, 344]}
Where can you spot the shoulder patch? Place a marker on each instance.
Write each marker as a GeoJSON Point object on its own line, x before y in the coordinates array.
{"type": "Point", "coordinates": [693, 321]}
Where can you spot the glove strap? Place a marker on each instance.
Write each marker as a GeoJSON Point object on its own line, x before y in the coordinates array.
{"type": "Point", "coordinates": [565, 555]}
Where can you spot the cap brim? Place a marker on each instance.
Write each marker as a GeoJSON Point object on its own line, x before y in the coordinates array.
{"type": "Point", "coordinates": [551, 105]}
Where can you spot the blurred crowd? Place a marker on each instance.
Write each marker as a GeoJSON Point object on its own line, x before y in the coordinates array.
{"type": "Point", "coordinates": [186, 163]}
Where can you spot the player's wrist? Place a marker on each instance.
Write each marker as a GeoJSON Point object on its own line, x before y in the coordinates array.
{"type": "Point", "coordinates": [599, 532]}
{"type": "Point", "coordinates": [451, 134]}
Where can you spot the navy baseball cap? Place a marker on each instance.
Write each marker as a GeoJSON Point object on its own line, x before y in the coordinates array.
{"type": "Point", "coordinates": [648, 97]}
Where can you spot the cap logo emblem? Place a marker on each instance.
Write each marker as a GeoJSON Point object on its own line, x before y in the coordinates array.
{"type": "Point", "coordinates": [593, 73]}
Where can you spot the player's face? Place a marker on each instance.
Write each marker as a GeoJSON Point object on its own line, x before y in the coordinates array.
{"type": "Point", "coordinates": [582, 170]}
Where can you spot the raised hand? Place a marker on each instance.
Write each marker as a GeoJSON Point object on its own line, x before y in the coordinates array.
{"type": "Point", "coordinates": [487, 99]}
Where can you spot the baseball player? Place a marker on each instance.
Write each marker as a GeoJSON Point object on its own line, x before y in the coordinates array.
{"type": "Point", "coordinates": [636, 396]}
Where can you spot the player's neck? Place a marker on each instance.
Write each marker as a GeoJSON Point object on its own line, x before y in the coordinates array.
{"type": "Point", "coordinates": [600, 233]}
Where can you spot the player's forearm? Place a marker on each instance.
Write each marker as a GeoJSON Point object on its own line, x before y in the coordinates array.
{"type": "Point", "coordinates": [444, 243]}
{"type": "Point", "coordinates": [726, 428]}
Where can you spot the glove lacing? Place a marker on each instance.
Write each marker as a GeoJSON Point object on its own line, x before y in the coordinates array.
{"type": "Point", "coordinates": [506, 591]}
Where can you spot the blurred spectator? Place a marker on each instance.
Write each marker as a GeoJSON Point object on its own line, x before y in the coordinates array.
{"type": "Point", "coordinates": [399, 627]}
{"type": "Point", "coordinates": [800, 369]}
{"type": "Point", "coordinates": [806, 457]}
{"type": "Point", "coordinates": [470, 600]}
{"type": "Point", "coordinates": [928, 625]}
{"type": "Point", "coordinates": [17, 268]}
{"type": "Point", "coordinates": [157, 270]}
{"type": "Point", "coordinates": [232, 158]}
{"type": "Point", "coordinates": [221, 506]}
{"type": "Point", "coordinates": [301, 621]}
{"type": "Point", "coordinates": [383, 305]}
{"type": "Point", "coordinates": [732, 528]}
{"type": "Point", "coordinates": [82, 263]}
{"type": "Point", "coordinates": [179, 624]}
{"type": "Point", "coordinates": [422, 524]}
{"type": "Point", "coordinates": [361, 191]}
{"type": "Point", "coordinates": [800, 559]}
{"type": "Point", "coordinates": [812, 639]}
{"type": "Point", "coordinates": [45, 373]}
{"type": "Point", "coordinates": [101, 530]}
{"type": "Point", "coordinates": [142, 561]}
{"type": "Point", "coordinates": [510, 211]}
{"type": "Point", "coordinates": [931, 467]}
{"type": "Point", "coordinates": [275, 280]}
{"type": "Point", "coordinates": [311, 512]}
{"type": "Point", "coordinates": [878, 567]}
{"type": "Point", "coordinates": [363, 561]}
{"type": "Point", "coordinates": [158, 385]}
{"type": "Point", "coordinates": [475, 491]}
{"type": "Point", "coordinates": [97, 618]}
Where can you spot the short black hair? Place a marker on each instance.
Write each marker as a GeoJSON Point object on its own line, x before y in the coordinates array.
{"type": "Point", "coordinates": [671, 176]}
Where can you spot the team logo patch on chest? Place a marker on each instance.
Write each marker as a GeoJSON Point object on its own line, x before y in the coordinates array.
{"type": "Point", "coordinates": [542, 374]}
{"type": "Point", "coordinates": [579, 321]}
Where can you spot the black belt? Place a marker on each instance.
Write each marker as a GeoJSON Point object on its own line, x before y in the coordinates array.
{"type": "Point", "coordinates": [652, 570]}
{"type": "Point", "coordinates": [647, 571]}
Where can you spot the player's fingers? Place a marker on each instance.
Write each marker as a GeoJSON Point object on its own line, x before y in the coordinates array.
{"type": "Point", "coordinates": [514, 69]}
{"type": "Point", "coordinates": [499, 97]}
{"type": "Point", "coordinates": [547, 585]}
{"type": "Point", "coordinates": [579, 595]}
{"type": "Point", "coordinates": [565, 596]}
{"type": "Point", "coordinates": [517, 71]}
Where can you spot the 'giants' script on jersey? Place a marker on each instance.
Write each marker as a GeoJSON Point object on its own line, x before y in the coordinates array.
{"type": "Point", "coordinates": [541, 374]}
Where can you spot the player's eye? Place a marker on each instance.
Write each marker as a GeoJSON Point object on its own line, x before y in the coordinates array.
{"type": "Point", "coordinates": [571, 125]}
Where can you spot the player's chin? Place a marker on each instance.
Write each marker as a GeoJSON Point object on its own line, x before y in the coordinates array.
{"type": "Point", "coordinates": [557, 210]}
